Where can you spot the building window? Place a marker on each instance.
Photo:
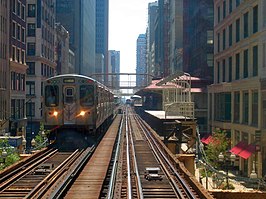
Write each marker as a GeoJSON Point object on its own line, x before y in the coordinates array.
{"type": "Point", "coordinates": [30, 88]}
{"type": "Point", "coordinates": [13, 81]}
{"type": "Point", "coordinates": [237, 30]}
{"type": "Point", "coordinates": [218, 72]}
{"type": "Point", "coordinates": [18, 55]}
{"type": "Point", "coordinates": [13, 105]}
{"type": "Point", "coordinates": [23, 35]}
{"type": "Point", "coordinates": [245, 107]}
{"type": "Point", "coordinates": [246, 25]}
{"type": "Point", "coordinates": [14, 29]}
{"type": "Point", "coordinates": [31, 10]}
{"type": "Point", "coordinates": [31, 29]}
{"type": "Point", "coordinates": [230, 6]}
{"type": "Point", "coordinates": [31, 68]}
{"type": "Point", "coordinates": [30, 109]}
{"type": "Point", "coordinates": [23, 12]}
{"type": "Point", "coordinates": [219, 14]}
{"type": "Point", "coordinates": [210, 60]}
{"type": "Point", "coordinates": [230, 69]}
{"type": "Point", "coordinates": [218, 37]}
{"type": "Point", "coordinates": [23, 82]}
{"type": "Point", "coordinates": [223, 106]}
{"type": "Point", "coordinates": [13, 53]}
{"type": "Point", "coordinates": [224, 39]}
{"type": "Point", "coordinates": [42, 69]}
{"type": "Point", "coordinates": [224, 72]}
{"type": "Point", "coordinates": [255, 19]}
{"type": "Point", "coordinates": [18, 8]}
{"type": "Point", "coordinates": [14, 6]}
{"type": "Point", "coordinates": [42, 88]}
{"type": "Point", "coordinates": [237, 66]}
{"type": "Point", "coordinates": [224, 9]}
{"type": "Point", "coordinates": [31, 49]}
{"type": "Point", "coordinates": [230, 35]}
{"type": "Point", "coordinates": [18, 32]}
{"type": "Point", "coordinates": [255, 108]}
{"type": "Point", "coordinates": [22, 56]}
{"type": "Point", "coordinates": [245, 75]}
{"type": "Point", "coordinates": [210, 37]}
{"type": "Point", "coordinates": [237, 2]}
{"type": "Point", "coordinates": [255, 60]}
{"type": "Point", "coordinates": [18, 82]}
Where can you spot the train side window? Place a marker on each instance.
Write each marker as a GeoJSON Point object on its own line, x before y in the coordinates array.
{"type": "Point", "coordinates": [69, 95]}
{"type": "Point", "coordinates": [86, 95]}
{"type": "Point", "coordinates": [51, 96]}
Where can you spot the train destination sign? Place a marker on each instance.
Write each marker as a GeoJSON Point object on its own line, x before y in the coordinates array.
{"type": "Point", "coordinates": [69, 80]}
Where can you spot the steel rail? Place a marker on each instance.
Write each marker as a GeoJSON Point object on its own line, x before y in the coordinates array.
{"type": "Point", "coordinates": [41, 187]}
{"type": "Point", "coordinates": [62, 183]}
{"type": "Point", "coordinates": [156, 150]}
{"type": "Point", "coordinates": [15, 178]}
{"type": "Point", "coordinates": [7, 174]}
{"type": "Point", "coordinates": [140, 193]}
{"type": "Point", "coordinates": [110, 193]}
{"type": "Point", "coordinates": [129, 186]}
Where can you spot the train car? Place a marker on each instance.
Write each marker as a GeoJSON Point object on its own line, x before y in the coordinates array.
{"type": "Point", "coordinates": [76, 102]}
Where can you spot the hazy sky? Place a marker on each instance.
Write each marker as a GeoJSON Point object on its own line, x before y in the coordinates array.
{"type": "Point", "coordinates": [127, 19]}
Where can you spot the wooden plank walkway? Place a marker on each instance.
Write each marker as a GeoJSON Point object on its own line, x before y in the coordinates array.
{"type": "Point", "coordinates": [89, 182]}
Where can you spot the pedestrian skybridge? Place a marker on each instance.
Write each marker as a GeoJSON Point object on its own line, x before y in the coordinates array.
{"type": "Point", "coordinates": [124, 84]}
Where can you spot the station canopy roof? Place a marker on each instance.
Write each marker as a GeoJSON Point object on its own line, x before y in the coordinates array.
{"type": "Point", "coordinates": [154, 86]}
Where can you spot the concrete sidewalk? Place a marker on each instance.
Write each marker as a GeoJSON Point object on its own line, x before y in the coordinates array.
{"type": "Point", "coordinates": [211, 185]}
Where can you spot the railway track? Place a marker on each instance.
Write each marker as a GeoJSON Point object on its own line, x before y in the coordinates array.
{"type": "Point", "coordinates": [114, 168]}
{"type": "Point", "coordinates": [141, 151]}
{"type": "Point", "coordinates": [45, 175]}
{"type": "Point", "coordinates": [29, 176]}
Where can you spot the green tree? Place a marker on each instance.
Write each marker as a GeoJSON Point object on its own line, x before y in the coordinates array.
{"type": "Point", "coordinates": [218, 144]}
{"type": "Point", "coordinates": [41, 137]}
{"type": "Point", "coordinates": [11, 155]}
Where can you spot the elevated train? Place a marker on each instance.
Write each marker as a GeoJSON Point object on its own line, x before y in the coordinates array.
{"type": "Point", "coordinates": [76, 102]}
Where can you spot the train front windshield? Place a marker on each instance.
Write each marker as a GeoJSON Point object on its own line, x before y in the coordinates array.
{"type": "Point", "coordinates": [86, 95]}
{"type": "Point", "coordinates": [51, 96]}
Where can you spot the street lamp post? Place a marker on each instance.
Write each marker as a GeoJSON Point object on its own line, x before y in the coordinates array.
{"type": "Point", "coordinates": [33, 143]}
{"type": "Point", "coordinates": [4, 155]}
{"type": "Point", "coordinates": [225, 159]}
{"type": "Point", "coordinates": [24, 143]}
{"type": "Point", "coordinates": [253, 174]}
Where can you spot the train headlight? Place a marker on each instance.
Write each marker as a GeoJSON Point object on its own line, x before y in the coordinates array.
{"type": "Point", "coordinates": [55, 113]}
{"type": "Point", "coordinates": [82, 113]}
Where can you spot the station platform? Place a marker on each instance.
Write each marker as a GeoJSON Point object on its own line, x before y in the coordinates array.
{"type": "Point", "coordinates": [162, 116]}
{"type": "Point", "coordinates": [175, 130]}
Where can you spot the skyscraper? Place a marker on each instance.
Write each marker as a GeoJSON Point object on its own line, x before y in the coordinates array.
{"type": "Point", "coordinates": [198, 38]}
{"type": "Point", "coordinates": [78, 17]}
{"type": "Point", "coordinates": [102, 15]}
{"type": "Point", "coordinates": [152, 15]}
{"type": "Point", "coordinates": [114, 65]}
{"type": "Point", "coordinates": [141, 67]}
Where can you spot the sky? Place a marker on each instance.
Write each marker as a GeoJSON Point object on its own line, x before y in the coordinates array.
{"type": "Point", "coordinates": [127, 19]}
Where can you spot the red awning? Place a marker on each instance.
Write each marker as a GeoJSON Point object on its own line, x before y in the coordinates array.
{"type": "Point", "coordinates": [248, 151]}
{"type": "Point", "coordinates": [206, 139]}
{"type": "Point", "coordinates": [239, 147]}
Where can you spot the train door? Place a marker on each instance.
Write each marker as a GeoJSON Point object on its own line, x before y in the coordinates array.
{"type": "Point", "coordinates": [70, 107]}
